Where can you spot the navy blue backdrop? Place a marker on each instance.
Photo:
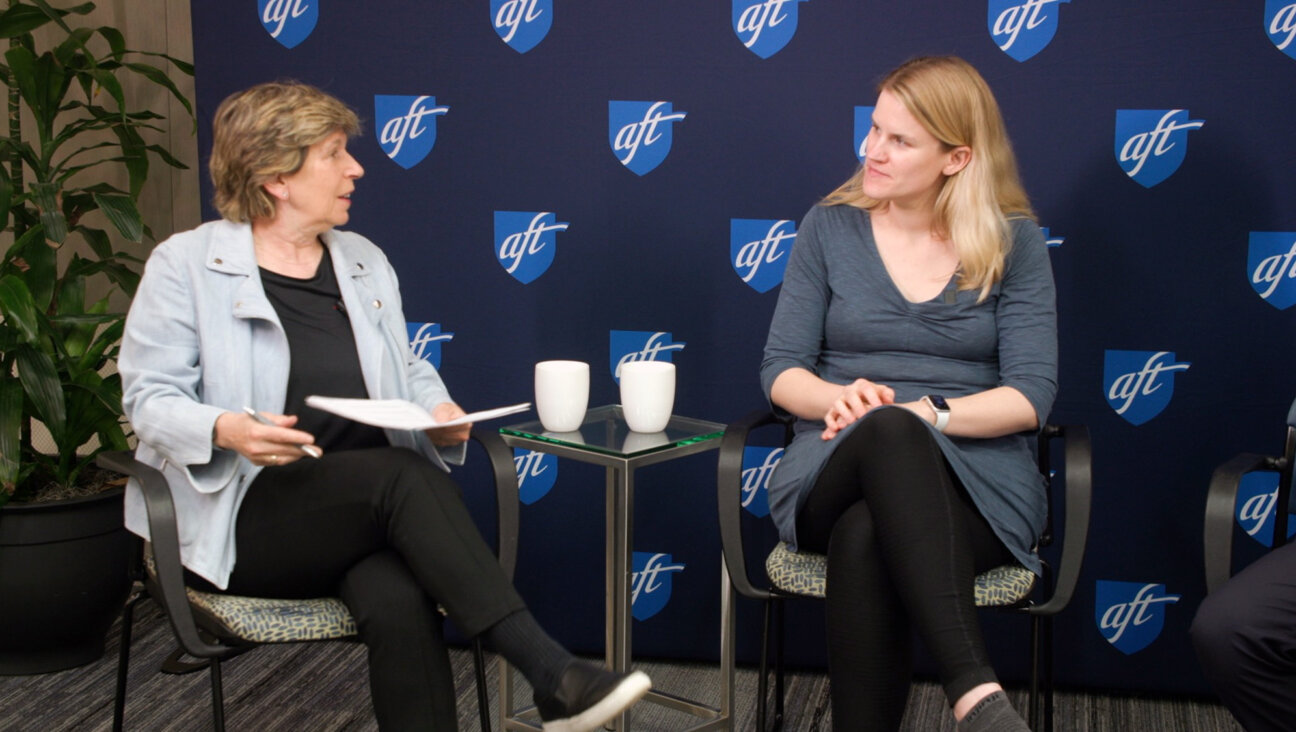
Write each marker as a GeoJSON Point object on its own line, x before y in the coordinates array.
{"type": "Point", "coordinates": [578, 180]}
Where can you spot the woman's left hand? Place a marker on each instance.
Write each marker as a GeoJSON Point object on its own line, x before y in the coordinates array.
{"type": "Point", "coordinates": [448, 436]}
{"type": "Point", "coordinates": [855, 400]}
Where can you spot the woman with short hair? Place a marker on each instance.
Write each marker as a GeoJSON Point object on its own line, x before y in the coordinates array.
{"type": "Point", "coordinates": [263, 308]}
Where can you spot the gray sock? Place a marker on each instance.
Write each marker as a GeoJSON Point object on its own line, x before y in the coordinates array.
{"type": "Point", "coordinates": [994, 713]}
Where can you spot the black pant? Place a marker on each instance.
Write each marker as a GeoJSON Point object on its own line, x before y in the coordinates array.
{"type": "Point", "coordinates": [904, 545]}
{"type": "Point", "coordinates": [388, 532]}
{"type": "Point", "coordinates": [1245, 635]}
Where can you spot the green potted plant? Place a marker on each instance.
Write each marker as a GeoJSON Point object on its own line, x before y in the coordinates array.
{"type": "Point", "coordinates": [57, 209]}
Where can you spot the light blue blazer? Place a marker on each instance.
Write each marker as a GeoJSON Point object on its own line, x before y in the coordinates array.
{"type": "Point", "coordinates": [202, 339]}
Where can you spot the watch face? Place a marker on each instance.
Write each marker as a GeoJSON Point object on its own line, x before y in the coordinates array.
{"type": "Point", "coordinates": [938, 402]}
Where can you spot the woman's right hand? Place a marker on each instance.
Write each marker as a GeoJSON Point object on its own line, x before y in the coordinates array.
{"type": "Point", "coordinates": [262, 444]}
{"type": "Point", "coordinates": [854, 401]}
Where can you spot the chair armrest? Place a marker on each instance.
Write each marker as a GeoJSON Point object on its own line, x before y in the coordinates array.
{"type": "Point", "coordinates": [165, 539]}
{"type": "Point", "coordinates": [1221, 497]}
{"type": "Point", "coordinates": [729, 501]}
{"type": "Point", "coordinates": [1078, 486]}
{"type": "Point", "coordinates": [506, 496]}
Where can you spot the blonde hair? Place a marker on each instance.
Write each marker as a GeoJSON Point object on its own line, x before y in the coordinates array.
{"type": "Point", "coordinates": [263, 132]}
{"type": "Point", "coordinates": [953, 102]}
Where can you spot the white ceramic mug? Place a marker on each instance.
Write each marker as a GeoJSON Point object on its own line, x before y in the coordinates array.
{"type": "Point", "coordinates": [561, 394]}
{"type": "Point", "coordinates": [647, 394]}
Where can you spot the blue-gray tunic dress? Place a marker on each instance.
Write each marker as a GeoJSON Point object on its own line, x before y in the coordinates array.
{"type": "Point", "coordinates": [841, 317]}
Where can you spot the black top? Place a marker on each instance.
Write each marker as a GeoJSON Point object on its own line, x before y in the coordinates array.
{"type": "Point", "coordinates": [322, 355]}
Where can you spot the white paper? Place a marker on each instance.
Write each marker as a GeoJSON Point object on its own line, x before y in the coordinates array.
{"type": "Point", "coordinates": [399, 414]}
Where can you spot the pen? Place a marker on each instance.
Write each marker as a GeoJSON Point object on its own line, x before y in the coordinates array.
{"type": "Point", "coordinates": [308, 449]}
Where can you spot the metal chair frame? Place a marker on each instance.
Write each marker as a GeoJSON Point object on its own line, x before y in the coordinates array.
{"type": "Point", "coordinates": [1221, 499]}
{"type": "Point", "coordinates": [1060, 588]}
{"type": "Point", "coordinates": [194, 635]}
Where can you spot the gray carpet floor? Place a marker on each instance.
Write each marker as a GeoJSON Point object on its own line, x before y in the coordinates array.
{"type": "Point", "coordinates": [323, 686]}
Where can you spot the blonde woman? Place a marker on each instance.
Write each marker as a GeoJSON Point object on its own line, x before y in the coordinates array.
{"type": "Point", "coordinates": [915, 342]}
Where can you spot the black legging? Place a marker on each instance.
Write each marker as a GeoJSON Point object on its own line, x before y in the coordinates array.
{"type": "Point", "coordinates": [904, 545]}
{"type": "Point", "coordinates": [388, 532]}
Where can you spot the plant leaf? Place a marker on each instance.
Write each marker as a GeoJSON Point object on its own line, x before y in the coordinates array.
{"type": "Point", "coordinates": [10, 434]}
{"type": "Point", "coordinates": [123, 214]}
{"type": "Point", "coordinates": [40, 381]}
{"type": "Point", "coordinates": [45, 196]}
{"type": "Point", "coordinates": [19, 309]}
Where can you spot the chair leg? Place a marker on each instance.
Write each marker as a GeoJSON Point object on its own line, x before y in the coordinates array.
{"type": "Point", "coordinates": [778, 664]}
{"type": "Point", "coordinates": [123, 663]}
{"type": "Point", "coordinates": [762, 683]}
{"type": "Point", "coordinates": [218, 696]}
{"type": "Point", "coordinates": [1033, 710]}
{"type": "Point", "coordinates": [1047, 663]}
{"type": "Point", "coordinates": [483, 699]}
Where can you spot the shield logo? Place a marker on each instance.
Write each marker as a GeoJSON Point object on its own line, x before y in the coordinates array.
{"type": "Point", "coordinates": [525, 242]}
{"type": "Point", "coordinates": [1050, 240]}
{"type": "Point", "coordinates": [1139, 384]}
{"type": "Point", "coordinates": [863, 125]}
{"type": "Point", "coordinates": [288, 21]}
{"type": "Point", "coordinates": [425, 341]}
{"type": "Point", "coordinates": [640, 133]}
{"type": "Point", "coordinates": [522, 24]}
{"type": "Point", "coordinates": [765, 26]}
{"type": "Point", "coordinates": [406, 126]}
{"type": "Point", "coordinates": [1280, 24]}
{"type": "Point", "coordinates": [639, 345]}
{"type": "Point", "coordinates": [1271, 264]}
{"type": "Point", "coordinates": [1152, 143]}
{"type": "Point", "coordinates": [1255, 509]}
{"type": "Point", "coordinates": [650, 583]}
{"type": "Point", "coordinates": [758, 250]}
{"type": "Point", "coordinates": [757, 467]}
{"type": "Point", "coordinates": [537, 472]}
{"type": "Point", "coordinates": [1022, 29]}
{"type": "Point", "coordinates": [1130, 615]}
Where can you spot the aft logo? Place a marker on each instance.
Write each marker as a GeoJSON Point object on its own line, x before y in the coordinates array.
{"type": "Point", "coordinates": [1255, 511]}
{"type": "Point", "coordinates": [288, 21]}
{"type": "Point", "coordinates": [639, 345]}
{"type": "Point", "coordinates": [522, 24]}
{"type": "Point", "coordinates": [650, 583]}
{"type": "Point", "coordinates": [1270, 264]}
{"type": "Point", "coordinates": [765, 26]}
{"type": "Point", "coordinates": [536, 473]}
{"type": "Point", "coordinates": [640, 133]}
{"type": "Point", "coordinates": [1280, 24]}
{"type": "Point", "coordinates": [1022, 29]}
{"type": "Point", "coordinates": [1152, 143]}
{"type": "Point", "coordinates": [1050, 240]}
{"type": "Point", "coordinates": [406, 126]}
{"type": "Point", "coordinates": [863, 125]}
{"type": "Point", "coordinates": [425, 341]}
{"type": "Point", "coordinates": [1140, 384]}
{"type": "Point", "coordinates": [758, 250]}
{"type": "Point", "coordinates": [525, 242]}
{"type": "Point", "coordinates": [757, 466]}
{"type": "Point", "coordinates": [1130, 615]}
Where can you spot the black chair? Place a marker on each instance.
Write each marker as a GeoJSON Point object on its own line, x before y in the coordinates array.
{"type": "Point", "coordinates": [215, 627]}
{"type": "Point", "coordinates": [1221, 497]}
{"type": "Point", "coordinates": [1011, 587]}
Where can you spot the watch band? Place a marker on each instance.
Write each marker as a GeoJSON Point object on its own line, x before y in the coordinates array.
{"type": "Point", "coordinates": [941, 409]}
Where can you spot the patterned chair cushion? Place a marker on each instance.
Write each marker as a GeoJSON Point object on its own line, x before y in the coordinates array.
{"type": "Point", "coordinates": [269, 620]}
{"type": "Point", "coordinates": [805, 573]}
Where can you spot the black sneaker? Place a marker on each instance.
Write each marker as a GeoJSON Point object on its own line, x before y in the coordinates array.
{"type": "Point", "coordinates": [588, 696]}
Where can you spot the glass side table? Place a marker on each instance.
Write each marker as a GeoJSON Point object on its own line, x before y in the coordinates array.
{"type": "Point", "coordinates": [604, 439]}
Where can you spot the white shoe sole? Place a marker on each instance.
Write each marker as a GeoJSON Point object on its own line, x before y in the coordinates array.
{"type": "Point", "coordinates": [631, 689]}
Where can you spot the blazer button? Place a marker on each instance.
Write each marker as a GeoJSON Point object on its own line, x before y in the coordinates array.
{"type": "Point", "coordinates": [219, 261]}
{"type": "Point", "coordinates": [377, 303]}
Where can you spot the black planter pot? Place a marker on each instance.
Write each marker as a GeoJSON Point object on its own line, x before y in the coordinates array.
{"type": "Point", "coordinates": [64, 576]}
